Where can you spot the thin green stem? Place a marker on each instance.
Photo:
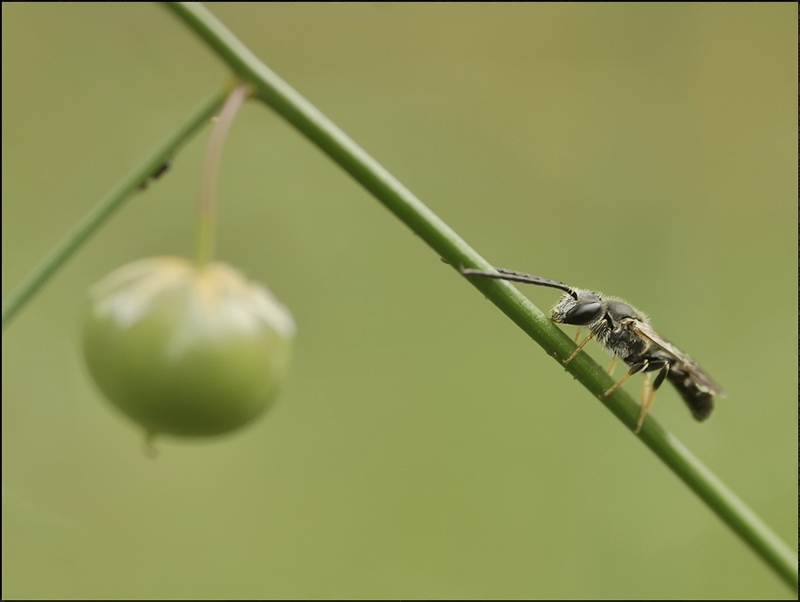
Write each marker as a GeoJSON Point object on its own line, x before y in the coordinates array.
{"type": "Point", "coordinates": [207, 218]}
{"type": "Point", "coordinates": [446, 243]}
{"type": "Point", "coordinates": [153, 166]}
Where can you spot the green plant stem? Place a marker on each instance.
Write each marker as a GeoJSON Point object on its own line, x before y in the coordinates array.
{"type": "Point", "coordinates": [137, 179]}
{"type": "Point", "coordinates": [446, 243]}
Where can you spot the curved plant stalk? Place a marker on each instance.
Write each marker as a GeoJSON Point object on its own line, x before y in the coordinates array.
{"type": "Point", "coordinates": [207, 218]}
{"type": "Point", "coordinates": [152, 167]}
{"type": "Point", "coordinates": [446, 243]}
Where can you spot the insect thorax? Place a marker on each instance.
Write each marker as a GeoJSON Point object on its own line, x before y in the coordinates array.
{"type": "Point", "coordinates": [615, 331]}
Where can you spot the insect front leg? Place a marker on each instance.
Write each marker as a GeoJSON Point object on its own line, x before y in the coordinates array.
{"type": "Point", "coordinates": [579, 347]}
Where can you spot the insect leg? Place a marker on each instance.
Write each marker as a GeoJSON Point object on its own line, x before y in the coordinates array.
{"type": "Point", "coordinates": [579, 347]}
{"type": "Point", "coordinates": [612, 365]}
{"type": "Point", "coordinates": [577, 335]}
{"type": "Point", "coordinates": [648, 393]}
{"type": "Point", "coordinates": [647, 401]}
{"type": "Point", "coordinates": [621, 381]}
{"type": "Point", "coordinates": [617, 384]}
{"type": "Point", "coordinates": [645, 387]}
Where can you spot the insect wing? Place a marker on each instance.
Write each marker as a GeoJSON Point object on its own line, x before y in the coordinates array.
{"type": "Point", "coordinates": [700, 378]}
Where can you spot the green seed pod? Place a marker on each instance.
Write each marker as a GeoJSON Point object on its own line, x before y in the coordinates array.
{"type": "Point", "coordinates": [186, 351]}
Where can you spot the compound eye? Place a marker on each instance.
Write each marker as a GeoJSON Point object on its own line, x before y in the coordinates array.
{"type": "Point", "coordinates": [583, 314]}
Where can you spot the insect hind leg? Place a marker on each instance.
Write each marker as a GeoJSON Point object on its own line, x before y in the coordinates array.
{"type": "Point", "coordinates": [634, 369]}
{"type": "Point", "coordinates": [617, 384]}
{"type": "Point", "coordinates": [649, 396]}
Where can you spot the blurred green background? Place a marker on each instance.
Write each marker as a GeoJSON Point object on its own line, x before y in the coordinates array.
{"type": "Point", "coordinates": [424, 446]}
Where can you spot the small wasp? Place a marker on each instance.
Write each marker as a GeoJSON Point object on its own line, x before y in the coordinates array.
{"type": "Point", "coordinates": [625, 332]}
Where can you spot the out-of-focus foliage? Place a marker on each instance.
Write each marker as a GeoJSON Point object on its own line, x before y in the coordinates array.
{"type": "Point", "coordinates": [423, 447]}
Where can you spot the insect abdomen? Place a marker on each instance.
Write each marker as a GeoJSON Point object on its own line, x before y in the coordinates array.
{"type": "Point", "coordinates": [700, 402]}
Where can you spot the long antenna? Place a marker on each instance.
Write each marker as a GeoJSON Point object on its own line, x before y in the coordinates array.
{"type": "Point", "coordinates": [513, 275]}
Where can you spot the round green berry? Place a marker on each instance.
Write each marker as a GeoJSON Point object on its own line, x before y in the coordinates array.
{"type": "Point", "coordinates": [185, 350]}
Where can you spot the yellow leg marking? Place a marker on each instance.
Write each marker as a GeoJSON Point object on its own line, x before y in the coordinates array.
{"type": "Point", "coordinates": [645, 383]}
{"type": "Point", "coordinates": [616, 385]}
{"type": "Point", "coordinates": [612, 365]}
{"type": "Point", "coordinates": [646, 404]}
{"type": "Point", "coordinates": [578, 348]}
{"type": "Point", "coordinates": [577, 335]}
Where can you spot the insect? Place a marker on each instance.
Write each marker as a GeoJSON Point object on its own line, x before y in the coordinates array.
{"type": "Point", "coordinates": [625, 332]}
{"type": "Point", "coordinates": [159, 171]}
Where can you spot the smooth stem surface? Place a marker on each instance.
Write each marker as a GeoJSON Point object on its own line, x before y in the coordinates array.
{"type": "Point", "coordinates": [446, 243]}
{"type": "Point", "coordinates": [153, 165]}
{"type": "Point", "coordinates": [207, 212]}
